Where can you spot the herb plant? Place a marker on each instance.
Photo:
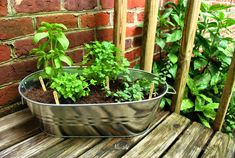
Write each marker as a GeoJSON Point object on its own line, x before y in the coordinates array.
{"type": "Point", "coordinates": [51, 53]}
{"type": "Point", "coordinates": [71, 85]}
{"type": "Point", "coordinates": [103, 60]}
{"type": "Point", "coordinates": [211, 57]}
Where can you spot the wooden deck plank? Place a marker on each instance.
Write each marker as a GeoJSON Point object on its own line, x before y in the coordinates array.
{"type": "Point", "coordinates": [71, 148]}
{"type": "Point", "coordinates": [221, 146]}
{"type": "Point", "coordinates": [115, 147]}
{"type": "Point", "coordinates": [31, 146]}
{"type": "Point", "coordinates": [155, 143]}
{"type": "Point", "coordinates": [15, 119]}
{"type": "Point", "coordinates": [191, 142]}
{"type": "Point", "coordinates": [17, 127]}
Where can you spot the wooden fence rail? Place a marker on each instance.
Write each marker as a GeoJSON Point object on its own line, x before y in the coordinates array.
{"type": "Point", "coordinates": [190, 27]}
{"type": "Point", "coordinates": [149, 31]}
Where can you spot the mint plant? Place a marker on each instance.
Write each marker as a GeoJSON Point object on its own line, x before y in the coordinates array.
{"type": "Point", "coordinates": [71, 85]}
{"type": "Point", "coordinates": [104, 60]}
{"type": "Point", "coordinates": [211, 57]}
{"type": "Point", "coordinates": [51, 50]}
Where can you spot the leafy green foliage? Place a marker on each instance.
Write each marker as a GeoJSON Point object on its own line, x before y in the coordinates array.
{"type": "Point", "coordinates": [104, 60]}
{"type": "Point", "coordinates": [211, 57]}
{"type": "Point", "coordinates": [71, 85]}
{"type": "Point", "coordinates": [135, 90]}
{"type": "Point", "coordinates": [229, 124]}
{"type": "Point", "coordinates": [51, 53]}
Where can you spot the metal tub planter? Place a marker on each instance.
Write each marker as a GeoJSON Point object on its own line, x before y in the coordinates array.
{"type": "Point", "coordinates": [123, 119]}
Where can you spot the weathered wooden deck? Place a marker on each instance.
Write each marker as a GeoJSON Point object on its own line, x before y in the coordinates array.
{"type": "Point", "coordinates": [172, 136]}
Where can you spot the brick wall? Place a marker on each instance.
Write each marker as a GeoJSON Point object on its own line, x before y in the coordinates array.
{"type": "Point", "coordinates": [86, 19]}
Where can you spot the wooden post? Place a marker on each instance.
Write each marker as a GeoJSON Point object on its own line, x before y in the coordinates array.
{"type": "Point", "coordinates": [149, 32]}
{"type": "Point", "coordinates": [190, 26]}
{"type": "Point", "coordinates": [226, 96]}
{"type": "Point", "coordinates": [119, 34]}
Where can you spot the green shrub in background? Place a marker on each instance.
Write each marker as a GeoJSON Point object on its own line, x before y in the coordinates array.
{"type": "Point", "coordinates": [211, 58]}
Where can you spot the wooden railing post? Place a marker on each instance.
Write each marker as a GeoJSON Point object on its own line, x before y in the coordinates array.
{"type": "Point", "coordinates": [149, 31]}
{"type": "Point", "coordinates": [119, 31]}
{"type": "Point", "coordinates": [226, 96]}
{"type": "Point", "coordinates": [187, 42]}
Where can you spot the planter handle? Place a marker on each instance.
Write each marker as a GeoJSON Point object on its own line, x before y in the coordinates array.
{"type": "Point", "coordinates": [170, 90]}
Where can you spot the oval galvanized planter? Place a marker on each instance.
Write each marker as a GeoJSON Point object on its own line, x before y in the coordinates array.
{"type": "Point", "coordinates": [123, 119]}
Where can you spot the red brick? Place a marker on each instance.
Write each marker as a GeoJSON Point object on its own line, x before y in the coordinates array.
{"type": "Point", "coordinates": [16, 71]}
{"type": "Point", "coordinates": [134, 54]}
{"type": "Point", "coordinates": [136, 4]}
{"type": "Point", "coordinates": [174, 1]}
{"type": "Point", "coordinates": [33, 6]}
{"type": "Point", "coordinates": [79, 38]}
{"type": "Point", "coordinates": [130, 56]}
{"type": "Point", "coordinates": [132, 64]}
{"type": "Point", "coordinates": [3, 7]}
{"type": "Point", "coordinates": [23, 47]}
{"type": "Point", "coordinates": [92, 20]}
{"type": "Point", "coordinates": [9, 94]}
{"type": "Point", "coordinates": [133, 31]}
{"type": "Point", "coordinates": [76, 55]}
{"type": "Point", "coordinates": [15, 27]}
{"type": "Point", "coordinates": [105, 35]}
{"type": "Point", "coordinates": [137, 52]}
{"type": "Point", "coordinates": [78, 5]}
{"type": "Point", "coordinates": [130, 17]}
{"type": "Point", "coordinates": [140, 16]}
{"type": "Point", "coordinates": [69, 20]}
{"type": "Point", "coordinates": [107, 4]}
{"type": "Point", "coordinates": [5, 53]}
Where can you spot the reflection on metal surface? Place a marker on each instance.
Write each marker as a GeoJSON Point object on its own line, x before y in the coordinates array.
{"type": "Point", "coordinates": [94, 120]}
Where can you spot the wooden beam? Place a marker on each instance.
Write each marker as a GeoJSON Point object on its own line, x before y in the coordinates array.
{"type": "Point", "coordinates": [119, 31]}
{"type": "Point", "coordinates": [149, 32]}
{"type": "Point", "coordinates": [190, 26]}
{"type": "Point", "coordinates": [226, 96]}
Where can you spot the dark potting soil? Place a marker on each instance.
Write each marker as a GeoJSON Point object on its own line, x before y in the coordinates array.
{"type": "Point", "coordinates": [97, 95]}
{"type": "Point", "coordinates": [37, 94]}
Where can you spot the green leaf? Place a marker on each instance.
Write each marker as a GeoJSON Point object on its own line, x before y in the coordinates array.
{"type": "Point", "coordinates": [173, 58]}
{"type": "Point", "coordinates": [191, 85]}
{"type": "Point", "coordinates": [173, 70]}
{"type": "Point", "coordinates": [57, 63]}
{"type": "Point", "coordinates": [167, 13]}
{"type": "Point", "coordinates": [217, 7]}
{"type": "Point", "coordinates": [175, 36]}
{"type": "Point", "coordinates": [63, 41]}
{"type": "Point", "coordinates": [212, 106]}
{"type": "Point", "coordinates": [66, 60]}
{"type": "Point", "coordinates": [204, 121]}
{"type": "Point", "coordinates": [161, 42]}
{"type": "Point", "coordinates": [38, 36]}
{"type": "Point", "coordinates": [61, 26]}
{"type": "Point", "coordinates": [228, 22]}
{"type": "Point", "coordinates": [176, 18]}
{"type": "Point", "coordinates": [215, 79]}
{"type": "Point", "coordinates": [199, 63]}
{"type": "Point", "coordinates": [48, 70]}
{"type": "Point", "coordinates": [186, 104]}
{"type": "Point", "coordinates": [202, 81]}
{"type": "Point", "coordinates": [206, 98]}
